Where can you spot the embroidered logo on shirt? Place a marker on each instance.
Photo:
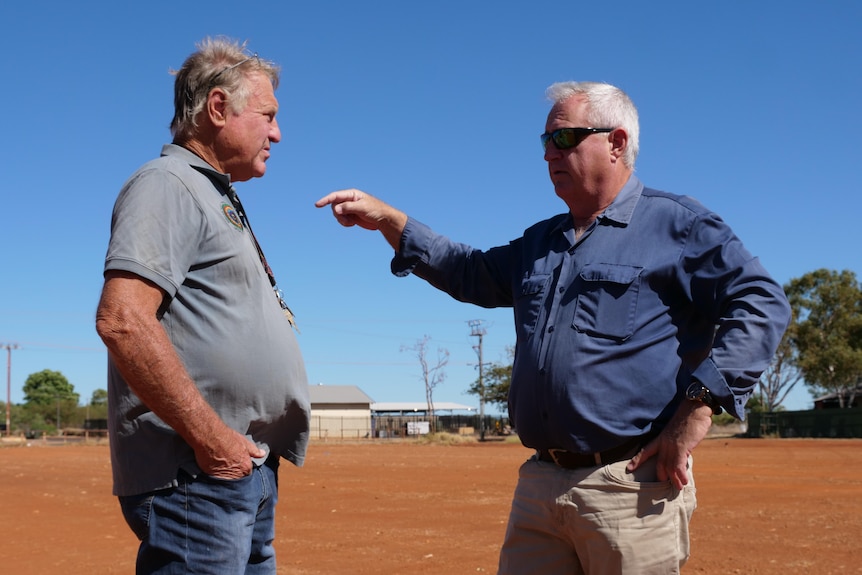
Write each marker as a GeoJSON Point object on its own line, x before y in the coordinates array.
{"type": "Point", "coordinates": [232, 216]}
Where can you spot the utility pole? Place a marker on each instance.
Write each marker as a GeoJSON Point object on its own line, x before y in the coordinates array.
{"type": "Point", "coordinates": [9, 347]}
{"type": "Point", "coordinates": [476, 330]}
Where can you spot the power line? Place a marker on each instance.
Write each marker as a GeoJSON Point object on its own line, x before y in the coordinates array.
{"type": "Point", "coordinates": [31, 344]}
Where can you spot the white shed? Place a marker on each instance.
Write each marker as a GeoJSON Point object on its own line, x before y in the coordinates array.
{"type": "Point", "coordinates": [339, 412]}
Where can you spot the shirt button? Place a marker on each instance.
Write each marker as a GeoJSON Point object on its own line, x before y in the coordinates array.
{"type": "Point", "coordinates": [551, 329]}
{"type": "Point", "coordinates": [562, 289]}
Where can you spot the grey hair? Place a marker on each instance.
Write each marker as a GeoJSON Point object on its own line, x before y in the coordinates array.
{"type": "Point", "coordinates": [608, 107]}
{"type": "Point", "coordinates": [218, 62]}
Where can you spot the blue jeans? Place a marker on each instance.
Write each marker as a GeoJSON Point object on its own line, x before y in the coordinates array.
{"type": "Point", "coordinates": [207, 525]}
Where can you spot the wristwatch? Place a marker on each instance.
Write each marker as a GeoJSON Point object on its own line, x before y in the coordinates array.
{"type": "Point", "coordinates": [699, 392]}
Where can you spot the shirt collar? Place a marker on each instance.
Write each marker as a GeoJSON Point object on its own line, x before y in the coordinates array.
{"type": "Point", "coordinates": [620, 210]}
{"type": "Point", "coordinates": [623, 206]}
{"type": "Point", "coordinates": [198, 163]}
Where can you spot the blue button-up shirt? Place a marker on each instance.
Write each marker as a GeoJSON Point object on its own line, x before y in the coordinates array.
{"type": "Point", "coordinates": [612, 327]}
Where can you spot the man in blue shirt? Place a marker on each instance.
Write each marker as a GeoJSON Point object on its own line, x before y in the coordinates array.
{"type": "Point", "coordinates": [639, 314]}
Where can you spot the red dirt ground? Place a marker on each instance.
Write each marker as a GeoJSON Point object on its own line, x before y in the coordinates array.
{"type": "Point", "coordinates": [766, 507]}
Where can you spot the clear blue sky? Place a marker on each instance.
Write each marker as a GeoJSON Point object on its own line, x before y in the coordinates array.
{"type": "Point", "coordinates": [751, 107]}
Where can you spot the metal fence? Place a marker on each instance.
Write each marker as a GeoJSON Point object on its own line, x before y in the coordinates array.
{"type": "Point", "coordinates": [340, 427]}
{"type": "Point", "coordinates": [388, 426]}
{"type": "Point", "coordinates": [831, 423]}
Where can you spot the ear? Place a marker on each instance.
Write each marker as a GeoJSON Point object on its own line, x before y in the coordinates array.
{"type": "Point", "coordinates": [216, 107]}
{"type": "Point", "coordinates": [619, 140]}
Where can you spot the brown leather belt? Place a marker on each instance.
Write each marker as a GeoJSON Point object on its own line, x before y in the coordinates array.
{"type": "Point", "coordinates": [571, 460]}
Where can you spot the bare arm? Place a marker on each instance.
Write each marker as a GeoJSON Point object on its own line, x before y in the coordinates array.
{"type": "Point", "coordinates": [127, 323]}
{"type": "Point", "coordinates": [356, 208]}
{"type": "Point", "coordinates": [674, 444]}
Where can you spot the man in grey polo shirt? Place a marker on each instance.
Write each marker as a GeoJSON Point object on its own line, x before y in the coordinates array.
{"type": "Point", "coordinates": [207, 387]}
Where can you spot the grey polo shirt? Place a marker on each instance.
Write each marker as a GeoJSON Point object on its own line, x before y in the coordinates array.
{"type": "Point", "coordinates": [174, 225]}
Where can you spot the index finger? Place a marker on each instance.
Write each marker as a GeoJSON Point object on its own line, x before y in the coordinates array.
{"type": "Point", "coordinates": [337, 197]}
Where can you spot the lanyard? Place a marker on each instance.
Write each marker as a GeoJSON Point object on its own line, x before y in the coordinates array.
{"type": "Point", "coordinates": [234, 198]}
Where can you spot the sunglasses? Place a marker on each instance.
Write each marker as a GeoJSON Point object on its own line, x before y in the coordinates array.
{"type": "Point", "coordinates": [215, 78]}
{"type": "Point", "coordinates": [566, 138]}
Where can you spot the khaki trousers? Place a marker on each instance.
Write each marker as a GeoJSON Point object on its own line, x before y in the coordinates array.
{"type": "Point", "coordinates": [596, 521]}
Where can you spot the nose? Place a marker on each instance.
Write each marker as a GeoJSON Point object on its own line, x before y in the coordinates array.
{"type": "Point", "coordinates": [551, 151]}
{"type": "Point", "coordinates": [274, 132]}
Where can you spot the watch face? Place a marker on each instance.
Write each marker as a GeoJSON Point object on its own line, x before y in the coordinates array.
{"type": "Point", "coordinates": [699, 392]}
{"type": "Point", "coordinates": [696, 391]}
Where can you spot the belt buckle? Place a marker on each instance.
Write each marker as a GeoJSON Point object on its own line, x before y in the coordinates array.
{"type": "Point", "coordinates": [553, 454]}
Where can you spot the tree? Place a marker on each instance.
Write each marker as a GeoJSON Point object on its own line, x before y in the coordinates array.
{"type": "Point", "coordinates": [781, 376]}
{"type": "Point", "coordinates": [496, 380]}
{"type": "Point", "coordinates": [47, 387]}
{"type": "Point", "coordinates": [827, 331]}
{"type": "Point", "coordinates": [97, 408]}
{"type": "Point", "coordinates": [755, 404]}
{"type": "Point", "coordinates": [50, 399]}
{"type": "Point", "coordinates": [99, 397]}
{"type": "Point", "coordinates": [431, 376]}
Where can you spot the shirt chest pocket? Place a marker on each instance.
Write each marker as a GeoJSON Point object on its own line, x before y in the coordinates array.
{"type": "Point", "coordinates": [528, 303]}
{"type": "Point", "coordinates": [607, 300]}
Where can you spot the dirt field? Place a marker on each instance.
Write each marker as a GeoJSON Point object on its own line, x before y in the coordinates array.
{"type": "Point", "coordinates": [765, 507]}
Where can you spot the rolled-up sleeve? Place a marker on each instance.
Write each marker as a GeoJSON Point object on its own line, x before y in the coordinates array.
{"type": "Point", "coordinates": [749, 308]}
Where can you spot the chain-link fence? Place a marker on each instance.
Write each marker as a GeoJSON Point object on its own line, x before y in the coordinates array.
{"type": "Point", "coordinates": [389, 426]}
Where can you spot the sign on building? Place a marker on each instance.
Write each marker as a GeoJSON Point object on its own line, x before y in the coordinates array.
{"type": "Point", "coordinates": [418, 427]}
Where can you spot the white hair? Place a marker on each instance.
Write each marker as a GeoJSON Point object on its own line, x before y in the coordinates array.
{"type": "Point", "coordinates": [218, 62]}
{"type": "Point", "coordinates": [608, 107]}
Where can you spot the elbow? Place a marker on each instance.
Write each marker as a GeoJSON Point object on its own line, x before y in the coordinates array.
{"type": "Point", "coordinates": [117, 324]}
{"type": "Point", "coordinates": [128, 308]}
{"type": "Point", "coordinates": [109, 327]}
